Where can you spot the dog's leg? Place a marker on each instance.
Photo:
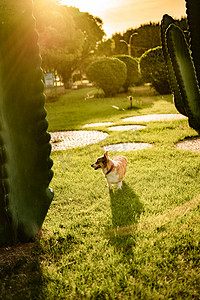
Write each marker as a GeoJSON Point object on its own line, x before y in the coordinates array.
{"type": "Point", "coordinates": [109, 185]}
{"type": "Point", "coordinates": [119, 185]}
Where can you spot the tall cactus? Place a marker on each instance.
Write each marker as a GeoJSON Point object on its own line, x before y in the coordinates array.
{"type": "Point", "coordinates": [183, 63]}
{"type": "Point", "coordinates": [25, 166]}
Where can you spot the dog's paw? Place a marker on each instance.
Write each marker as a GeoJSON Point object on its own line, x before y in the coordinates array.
{"type": "Point", "coordinates": [119, 186]}
{"type": "Point", "coordinates": [109, 186]}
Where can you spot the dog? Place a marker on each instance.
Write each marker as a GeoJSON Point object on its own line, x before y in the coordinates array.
{"type": "Point", "coordinates": [113, 169]}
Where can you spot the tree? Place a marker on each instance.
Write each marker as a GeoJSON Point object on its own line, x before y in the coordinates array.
{"type": "Point", "coordinates": [153, 70]}
{"type": "Point", "coordinates": [133, 75]}
{"type": "Point", "coordinates": [108, 73]}
{"type": "Point", "coordinates": [105, 48]}
{"type": "Point", "coordinates": [148, 37]}
{"type": "Point", "coordinates": [66, 37]}
{"type": "Point", "coordinates": [91, 27]}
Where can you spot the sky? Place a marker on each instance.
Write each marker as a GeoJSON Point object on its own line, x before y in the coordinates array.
{"type": "Point", "coordinates": [120, 15]}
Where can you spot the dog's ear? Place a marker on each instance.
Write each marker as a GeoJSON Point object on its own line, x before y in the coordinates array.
{"type": "Point", "coordinates": [106, 155]}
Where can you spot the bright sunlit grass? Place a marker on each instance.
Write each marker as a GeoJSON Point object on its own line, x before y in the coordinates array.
{"type": "Point", "coordinates": [138, 243]}
{"type": "Point", "coordinates": [83, 106]}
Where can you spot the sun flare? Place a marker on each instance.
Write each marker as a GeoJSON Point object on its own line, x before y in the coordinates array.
{"type": "Point", "coordinates": [119, 15]}
{"type": "Point", "coordinates": [90, 6]}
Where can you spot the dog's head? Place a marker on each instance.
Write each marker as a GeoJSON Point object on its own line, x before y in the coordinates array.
{"type": "Point", "coordinates": [101, 161]}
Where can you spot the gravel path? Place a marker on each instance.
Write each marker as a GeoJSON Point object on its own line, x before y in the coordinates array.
{"type": "Point", "coordinates": [190, 144]}
{"type": "Point", "coordinates": [127, 147]}
{"type": "Point", "coordinates": [127, 127]}
{"type": "Point", "coordinates": [150, 118]}
{"type": "Point", "coordinates": [63, 140]}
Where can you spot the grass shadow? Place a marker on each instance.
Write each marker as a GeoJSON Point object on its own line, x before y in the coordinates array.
{"type": "Point", "coordinates": [21, 276]}
{"type": "Point", "coordinates": [23, 267]}
{"type": "Point", "coordinates": [126, 210]}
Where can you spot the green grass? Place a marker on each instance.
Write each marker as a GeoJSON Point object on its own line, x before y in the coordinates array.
{"type": "Point", "coordinates": [138, 243]}
{"type": "Point", "coordinates": [74, 109]}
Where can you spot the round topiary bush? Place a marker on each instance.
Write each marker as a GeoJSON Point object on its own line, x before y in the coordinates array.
{"type": "Point", "coordinates": [107, 73]}
{"type": "Point", "coordinates": [154, 70]}
{"type": "Point", "coordinates": [133, 75]}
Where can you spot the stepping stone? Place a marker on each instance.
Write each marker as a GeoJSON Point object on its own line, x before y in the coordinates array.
{"type": "Point", "coordinates": [127, 147]}
{"type": "Point", "coordinates": [190, 144]}
{"type": "Point", "coordinates": [63, 140]}
{"type": "Point", "coordinates": [157, 117]}
{"type": "Point", "coordinates": [127, 127]}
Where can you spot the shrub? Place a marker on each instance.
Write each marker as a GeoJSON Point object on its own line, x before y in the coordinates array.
{"type": "Point", "coordinates": [107, 73]}
{"type": "Point", "coordinates": [133, 75]}
{"type": "Point", "coordinates": [154, 70]}
{"type": "Point", "coordinates": [76, 77]}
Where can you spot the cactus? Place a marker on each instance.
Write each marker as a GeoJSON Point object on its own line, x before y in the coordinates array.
{"type": "Point", "coordinates": [183, 63]}
{"type": "Point", "coordinates": [25, 165]}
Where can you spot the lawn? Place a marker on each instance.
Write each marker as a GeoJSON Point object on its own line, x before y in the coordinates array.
{"type": "Point", "coordinates": [77, 108]}
{"type": "Point", "coordinates": [141, 242]}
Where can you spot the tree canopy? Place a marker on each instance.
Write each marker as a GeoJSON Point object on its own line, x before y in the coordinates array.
{"type": "Point", "coordinates": [70, 40]}
{"type": "Point", "coordinates": [148, 37]}
{"type": "Point", "coordinates": [66, 36]}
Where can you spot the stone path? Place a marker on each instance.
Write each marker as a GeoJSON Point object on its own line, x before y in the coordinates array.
{"type": "Point", "coordinates": [151, 118]}
{"type": "Point", "coordinates": [63, 140]}
{"type": "Point", "coordinates": [127, 127]}
{"type": "Point", "coordinates": [127, 147]}
{"type": "Point", "coordinates": [190, 144]}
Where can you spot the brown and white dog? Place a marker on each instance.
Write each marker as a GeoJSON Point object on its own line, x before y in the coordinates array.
{"type": "Point", "coordinates": [113, 169]}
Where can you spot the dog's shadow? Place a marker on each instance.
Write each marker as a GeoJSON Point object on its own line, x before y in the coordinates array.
{"type": "Point", "coordinates": [126, 210]}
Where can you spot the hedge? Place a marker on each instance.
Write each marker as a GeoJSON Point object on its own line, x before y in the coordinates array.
{"type": "Point", "coordinates": [154, 70]}
{"type": "Point", "coordinates": [107, 73]}
{"type": "Point", "coordinates": [133, 75]}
